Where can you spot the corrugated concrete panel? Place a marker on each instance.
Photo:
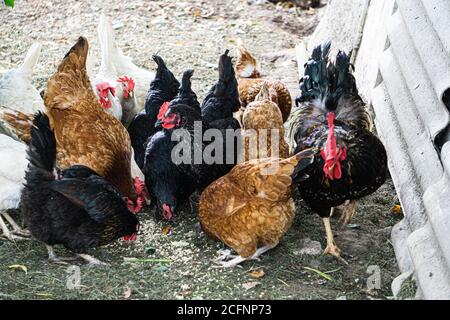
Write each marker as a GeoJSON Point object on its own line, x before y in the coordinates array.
{"type": "Point", "coordinates": [403, 71]}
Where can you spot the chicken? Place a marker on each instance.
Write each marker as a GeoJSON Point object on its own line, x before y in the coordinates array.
{"type": "Point", "coordinates": [251, 207]}
{"type": "Point", "coordinates": [250, 82]}
{"type": "Point", "coordinates": [163, 88]}
{"type": "Point", "coordinates": [74, 207]}
{"type": "Point", "coordinates": [350, 161]}
{"type": "Point", "coordinates": [85, 134]}
{"type": "Point", "coordinates": [12, 174]}
{"type": "Point", "coordinates": [106, 93]}
{"type": "Point", "coordinates": [263, 130]}
{"type": "Point", "coordinates": [17, 92]}
{"type": "Point", "coordinates": [124, 65]}
{"type": "Point", "coordinates": [129, 103]}
{"type": "Point", "coordinates": [115, 90]}
{"type": "Point", "coordinates": [222, 99]}
{"type": "Point", "coordinates": [171, 183]}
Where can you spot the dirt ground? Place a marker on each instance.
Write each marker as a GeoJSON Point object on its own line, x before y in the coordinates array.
{"type": "Point", "coordinates": [181, 264]}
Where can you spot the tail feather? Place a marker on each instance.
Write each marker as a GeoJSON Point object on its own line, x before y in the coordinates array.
{"type": "Point", "coordinates": [343, 80]}
{"type": "Point", "coordinates": [305, 158]}
{"type": "Point", "coordinates": [30, 60]}
{"type": "Point", "coordinates": [71, 81]}
{"type": "Point", "coordinates": [185, 94]}
{"type": "Point", "coordinates": [76, 56]}
{"type": "Point", "coordinates": [246, 64]}
{"type": "Point", "coordinates": [227, 86]}
{"type": "Point", "coordinates": [16, 123]}
{"type": "Point", "coordinates": [107, 42]}
{"type": "Point", "coordinates": [42, 148]}
{"type": "Point", "coordinates": [315, 81]}
{"type": "Point", "coordinates": [165, 82]}
{"type": "Point", "coordinates": [222, 99]}
{"type": "Point", "coordinates": [263, 93]}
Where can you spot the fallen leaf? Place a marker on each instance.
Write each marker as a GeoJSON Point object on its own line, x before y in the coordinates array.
{"type": "Point", "coordinates": [127, 293]}
{"type": "Point", "coordinates": [166, 229]}
{"type": "Point", "coordinates": [19, 267]}
{"type": "Point", "coordinates": [250, 285]}
{"type": "Point", "coordinates": [397, 209]}
{"type": "Point", "coordinates": [257, 274]}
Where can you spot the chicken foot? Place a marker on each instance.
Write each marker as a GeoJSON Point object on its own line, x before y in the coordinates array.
{"type": "Point", "coordinates": [52, 257]}
{"type": "Point", "coordinates": [6, 232]}
{"type": "Point", "coordinates": [238, 259]}
{"type": "Point", "coordinates": [93, 262]}
{"type": "Point", "coordinates": [16, 228]}
{"type": "Point", "coordinates": [332, 248]}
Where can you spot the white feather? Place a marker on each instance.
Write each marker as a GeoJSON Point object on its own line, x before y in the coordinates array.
{"type": "Point", "coordinates": [16, 89]}
{"type": "Point", "coordinates": [12, 171]}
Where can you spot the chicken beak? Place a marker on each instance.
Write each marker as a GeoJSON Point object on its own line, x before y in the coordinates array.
{"type": "Point", "coordinates": [158, 123]}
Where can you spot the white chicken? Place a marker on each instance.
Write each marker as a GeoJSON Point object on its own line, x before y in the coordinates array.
{"type": "Point", "coordinates": [124, 65]}
{"type": "Point", "coordinates": [12, 173]}
{"type": "Point", "coordinates": [17, 93]}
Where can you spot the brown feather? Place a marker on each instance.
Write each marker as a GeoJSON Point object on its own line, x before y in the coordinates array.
{"type": "Point", "coordinates": [251, 206]}
{"type": "Point", "coordinates": [19, 122]}
{"type": "Point", "coordinates": [259, 118]}
{"type": "Point", "coordinates": [84, 132]}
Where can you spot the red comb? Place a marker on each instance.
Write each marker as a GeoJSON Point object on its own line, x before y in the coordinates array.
{"type": "Point", "coordinates": [102, 86]}
{"type": "Point", "coordinates": [162, 110]}
{"type": "Point", "coordinates": [128, 81]}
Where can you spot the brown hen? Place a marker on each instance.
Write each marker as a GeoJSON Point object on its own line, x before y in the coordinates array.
{"type": "Point", "coordinates": [251, 207]}
{"type": "Point", "coordinates": [250, 82]}
{"type": "Point", "coordinates": [263, 130]}
{"type": "Point", "coordinates": [85, 133]}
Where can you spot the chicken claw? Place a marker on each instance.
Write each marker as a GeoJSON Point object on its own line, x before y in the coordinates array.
{"type": "Point", "coordinates": [236, 259]}
{"type": "Point", "coordinates": [16, 229]}
{"type": "Point", "coordinates": [53, 258]}
{"type": "Point", "coordinates": [92, 261]}
{"type": "Point", "coordinates": [10, 235]}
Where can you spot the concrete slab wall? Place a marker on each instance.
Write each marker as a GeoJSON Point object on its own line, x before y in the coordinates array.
{"type": "Point", "coordinates": [402, 66]}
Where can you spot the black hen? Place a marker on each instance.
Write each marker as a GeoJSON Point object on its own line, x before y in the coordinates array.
{"type": "Point", "coordinates": [74, 207]}
{"type": "Point", "coordinates": [222, 98]}
{"type": "Point", "coordinates": [350, 160]}
{"type": "Point", "coordinates": [162, 89]}
{"type": "Point", "coordinates": [169, 181]}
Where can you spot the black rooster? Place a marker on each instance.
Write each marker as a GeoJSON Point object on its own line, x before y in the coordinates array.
{"type": "Point", "coordinates": [74, 207]}
{"type": "Point", "coordinates": [350, 160]}
{"type": "Point", "coordinates": [162, 89]}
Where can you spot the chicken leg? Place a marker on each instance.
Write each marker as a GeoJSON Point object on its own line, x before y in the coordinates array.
{"type": "Point", "coordinates": [238, 259]}
{"type": "Point", "coordinates": [331, 248]}
{"type": "Point", "coordinates": [16, 228]}
{"type": "Point", "coordinates": [6, 232]}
